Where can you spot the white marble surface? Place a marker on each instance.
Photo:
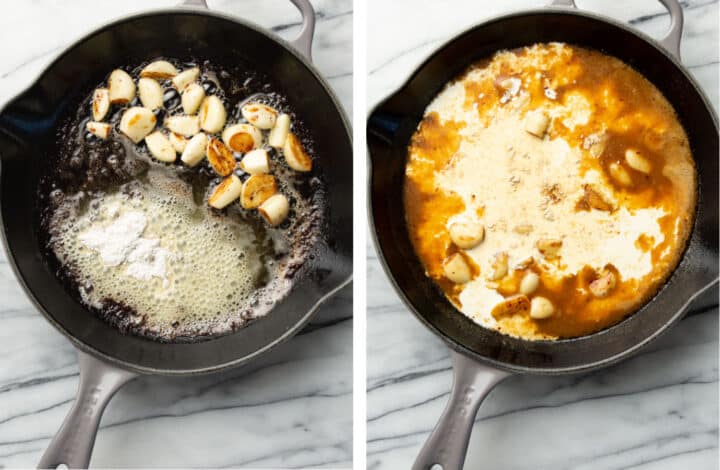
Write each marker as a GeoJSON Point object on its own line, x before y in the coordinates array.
{"type": "Point", "coordinates": [658, 410]}
{"type": "Point", "coordinates": [291, 409]}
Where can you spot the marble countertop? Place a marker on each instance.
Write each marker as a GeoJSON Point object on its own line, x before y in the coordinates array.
{"type": "Point", "coordinates": [290, 409]}
{"type": "Point", "coordinates": [658, 410]}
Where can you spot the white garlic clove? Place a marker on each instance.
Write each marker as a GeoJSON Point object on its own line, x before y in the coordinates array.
{"type": "Point", "coordinates": [295, 154]}
{"type": "Point", "coordinates": [498, 266]}
{"type": "Point", "coordinates": [466, 234]}
{"type": "Point", "coordinates": [99, 129]}
{"type": "Point", "coordinates": [620, 174]}
{"type": "Point", "coordinates": [192, 97]}
{"type": "Point", "coordinates": [137, 122]}
{"type": "Point", "coordinates": [255, 162]}
{"type": "Point", "coordinates": [529, 283]}
{"type": "Point", "coordinates": [279, 132]}
{"type": "Point", "coordinates": [256, 190]}
{"type": "Point", "coordinates": [150, 93]}
{"type": "Point", "coordinates": [456, 269]}
{"type": "Point", "coordinates": [220, 157]}
{"type": "Point", "coordinates": [187, 126]}
{"type": "Point", "coordinates": [121, 87]}
{"type": "Point", "coordinates": [212, 114]}
{"type": "Point", "coordinates": [226, 192]}
{"type": "Point", "coordinates": [100, 104]}
{"type": "Point", "coordinates": [260, 115]}
{"type": "Point", "coordinates": [178, 142]}
{"type": "Point", "coordinates": [194, 150]}
{"type": "Point", "coordinates": [536, 123]}
{"type": "Point", "coordinates": [637, 161]}
{"type": "Point", "coordinates": [242, 137]}
{"type": "Point", "coordinates": [159, 70]}
{"type": "Point", "coordinates": [275, 209]}
{"type": "Point", "coordinates": [514, 305]}
{"type": "Point", "coordinates": [541, 308]}
{"type": "Point", "coordinates": [186, 77]}
{"type": "Point", "coordinates": [160, 147]}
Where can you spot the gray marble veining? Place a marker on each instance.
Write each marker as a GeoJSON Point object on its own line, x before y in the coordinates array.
{"type": "Point", "coordinates": [658, 410]}
{"type": "Point", "coordinates": [290, 409]}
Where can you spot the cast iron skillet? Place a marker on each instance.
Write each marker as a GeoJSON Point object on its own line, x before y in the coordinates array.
{"type": "Point", "coordinates": [481, 357]}
{"type": "Point", "coordinates": [108, 359]}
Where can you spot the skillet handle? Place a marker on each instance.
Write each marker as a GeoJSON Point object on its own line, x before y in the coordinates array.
{"type": "Point", "coordinates": [303, 42]}
{"type": "Point", "coordinates": [446, 447]}
{"type": "Point", "coordinates": [73, 444]}
{"type": "Point", "coordinates": [671, 41]}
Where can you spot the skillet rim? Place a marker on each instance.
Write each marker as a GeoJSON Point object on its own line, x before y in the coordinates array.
{"type": "Point", "coordinates": [452, 342]}
{"type": "Point", "coordinates": [318, 302]}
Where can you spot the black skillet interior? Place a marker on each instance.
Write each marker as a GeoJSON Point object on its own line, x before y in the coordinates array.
{"type": "Point", "coordinates": [393, 122]}
{"type": "Point", "coordinates": [27, 128]}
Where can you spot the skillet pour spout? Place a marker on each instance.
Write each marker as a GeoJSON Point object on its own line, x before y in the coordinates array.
{"type": "Point", "coordinates": [481, 357]}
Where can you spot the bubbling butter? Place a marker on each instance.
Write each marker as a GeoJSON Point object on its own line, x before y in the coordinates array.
{"type": "Point", "coordinates": [151, 248]}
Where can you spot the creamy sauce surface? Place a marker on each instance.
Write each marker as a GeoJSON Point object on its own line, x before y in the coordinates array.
{"type": "Point", "coordinates": [474, 159]}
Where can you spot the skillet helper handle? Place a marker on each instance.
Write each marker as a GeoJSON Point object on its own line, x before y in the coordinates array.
{"type": "Point", "coordinates": [73, 443]}
{"type": "Point", "coordinates": [671, 41]}
{"type": "Point", "coordinates": [303, 43]}
{"type": "Point", "coordinates": [446, 447]}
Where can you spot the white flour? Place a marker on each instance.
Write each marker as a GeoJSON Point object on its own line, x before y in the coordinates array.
{"type": "Point", "coordinates": [121, 241]}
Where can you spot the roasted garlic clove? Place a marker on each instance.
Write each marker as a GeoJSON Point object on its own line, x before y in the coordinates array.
{"type": "Point", "coordinates": [137, 122]}
{"type": "Point", "coordinates": [602, 286]}
{"type": "Point", "coordinates": [549, 247]}
{"type": "Point", "coordinates": [242, 137]}
{"type": "Point", "coordinates": [536, 123]}
{"type": "Point", "coordinates": [212, 114]}
{"type": "Point", "coordinates": [275, 209]}
{"type": "Point", "coordinates": [99, 129]}
{"type": "Point", "coordinates": [226, 192]}
{"type": "Point", "coordinates": [256, 190]}
{"type": "Point", "coordinates": [178, 142]}
{"type": "Point", "coordinates": [160, 147]}
{"type": "Point", "coordinates": [620, 174]}
{"type": "Point", "coordinates": [514, 305]}
{"type": "Point", "coordinates": [279, 132]}
{"type": "Point", "coordinates": [121, 87]}
{"type": "Point", "coordinates": [256, 162]}
{"type": "Point", "coordinates": [592, 199]}
{"type": "Point", "coordinates": [466, 234]}
{"type": "Point", "coordinates": [220, 157]}
{"type": "Point", "coordinates": [184, 78]}
{"type": "Point", "coordinates": [100, 104]}
{"type": "Point", "coordinates": [192, 97]}
{"type": "Point", "coordinates": [498, 266]}
{"type": "Point", "coordinates": [529, 283]}
{"type": "Point", "coordinates": [541, 308]}
{"type": "Point", "coordinates": [150, 93]}
{"type": "Point", "coordinates": [456, 269]}
{"type": "Point", "coordinates": [195, 150]}
{"type": "Point", "coordinates": [295, 154]}
{"type": "Point", "coordinates": [159, 70]}
{"type": "Point", "coordinates": [637, 161]}
{"type": "Point", "coordinates": [260, 115]}
{"type": "Point", "coordinates": [186, 126]}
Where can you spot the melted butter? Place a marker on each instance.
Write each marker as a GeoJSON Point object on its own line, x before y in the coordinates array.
{"type": "Point", "coordinates": [471, 157]}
